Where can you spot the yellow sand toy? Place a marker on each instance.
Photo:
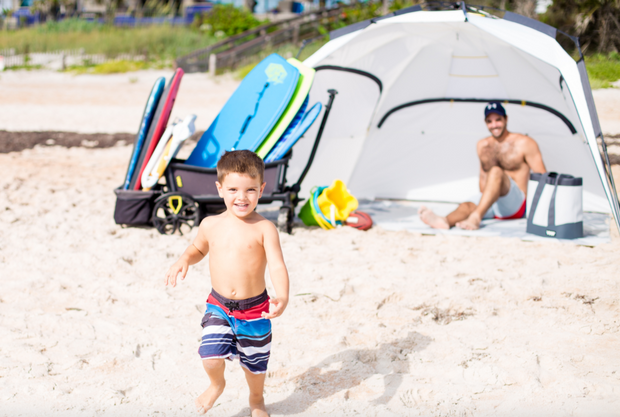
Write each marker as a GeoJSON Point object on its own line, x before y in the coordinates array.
{"type": "Point", "coordinates": [328, 206]}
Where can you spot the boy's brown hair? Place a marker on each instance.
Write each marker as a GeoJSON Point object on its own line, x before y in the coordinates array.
{"type": "Point", "coordinates": [241, 162]}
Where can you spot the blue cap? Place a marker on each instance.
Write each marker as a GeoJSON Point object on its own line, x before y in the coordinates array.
{"type": "Point", "coordinates": [494, 107]}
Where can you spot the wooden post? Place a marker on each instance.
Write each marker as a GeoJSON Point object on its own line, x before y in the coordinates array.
{"type": "Point", "coordinates": [295, 34]}
{"type": "Point", "coordinates": [212, 64]}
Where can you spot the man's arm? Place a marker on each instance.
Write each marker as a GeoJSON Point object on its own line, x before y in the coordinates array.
{"type": "Point", "coordinates": [277, 270]}
{"type": "Point", "coordinates": [482, 180]}
{"type": "Point", "coordinates": [533, 157]}
{"type": "Point", "coordinates": [192, 255]}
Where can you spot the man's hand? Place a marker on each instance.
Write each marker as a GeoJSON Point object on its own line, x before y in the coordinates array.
{"type": "Point", "coordinates": [279, 305]}
{"type": "Point", "coordinates": [179, 266]}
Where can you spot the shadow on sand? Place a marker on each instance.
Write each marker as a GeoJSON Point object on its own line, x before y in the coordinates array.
{"type": "Point", "coordinates": [348, 369]}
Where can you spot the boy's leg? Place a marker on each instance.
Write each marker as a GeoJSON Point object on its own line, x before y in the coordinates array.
{"type": "Point", "coordinates": [256, 382]}
{"type": "Point", "coordinates": [215, 369]}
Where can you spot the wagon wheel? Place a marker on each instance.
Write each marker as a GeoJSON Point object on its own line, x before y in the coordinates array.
{"type": "Point", "coordinates": [285, 220]}
{"type": "Point", "coordinates": [175, 212]}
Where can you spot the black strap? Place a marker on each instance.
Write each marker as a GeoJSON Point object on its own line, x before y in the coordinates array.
{"type": "Point", "coordinates": [539, 189]}
{"type": "Point", "coordinates": [551, 218]}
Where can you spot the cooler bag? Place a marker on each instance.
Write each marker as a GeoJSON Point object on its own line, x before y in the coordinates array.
{"type": "Point", "coordinates": [555, 205]}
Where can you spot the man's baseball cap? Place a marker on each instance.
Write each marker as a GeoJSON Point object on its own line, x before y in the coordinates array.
{"type": "Point", "coordinates": [494, 107]}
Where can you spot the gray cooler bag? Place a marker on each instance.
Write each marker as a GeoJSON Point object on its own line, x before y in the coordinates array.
{"type": "Point", "coordinates": [555, 205]}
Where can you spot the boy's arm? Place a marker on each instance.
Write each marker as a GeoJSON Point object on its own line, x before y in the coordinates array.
{"type": "Point", "coordinates": [192, 255]}
{"type": "Point", "coordinates": [277, 271]}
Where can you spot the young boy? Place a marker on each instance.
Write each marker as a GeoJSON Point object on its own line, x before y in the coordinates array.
{"type": "Point", "coordinates": [240, 243]}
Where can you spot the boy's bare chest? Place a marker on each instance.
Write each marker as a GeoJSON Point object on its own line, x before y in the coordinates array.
{"type": "Point", "coordinates": [239, 246]}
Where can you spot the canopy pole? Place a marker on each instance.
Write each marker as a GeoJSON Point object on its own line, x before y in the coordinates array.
{"type": "Point", "coordinates": [612, 183]}
{"type": "Point", "coordinates": [328, 107]}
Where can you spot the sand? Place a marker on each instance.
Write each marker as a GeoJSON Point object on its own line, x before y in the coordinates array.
{"type": "Point", "coordinates": [379, 323]}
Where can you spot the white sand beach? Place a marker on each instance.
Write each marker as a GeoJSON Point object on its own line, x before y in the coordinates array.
{"type": "Point", "coordinates": [380, 323]}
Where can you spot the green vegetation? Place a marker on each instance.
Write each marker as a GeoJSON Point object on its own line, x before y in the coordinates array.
{"type": "Point", "coordinates": [226, 20]}
{"type": "Point", "coordinates": [111, 67]}
{"type": "Point", "coordinates": [603, 69]}
{"type": "Point", "coordinates": [595, 22]}
{"type": "Point", "coordinates": [287, 51]}
{"type": "Point", "coordinates": [156, 43]}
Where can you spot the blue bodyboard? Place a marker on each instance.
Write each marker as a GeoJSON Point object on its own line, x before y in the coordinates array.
{"type": "Point", "coordinates": [145, 124]}
{"type": "Point", "coordinates": [250, 113]}
{"type": "Point", "coordinates": [289, 139]}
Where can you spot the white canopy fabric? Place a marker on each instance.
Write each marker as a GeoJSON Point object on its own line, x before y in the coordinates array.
{"type": "Point", "coordinates": [410, 107]}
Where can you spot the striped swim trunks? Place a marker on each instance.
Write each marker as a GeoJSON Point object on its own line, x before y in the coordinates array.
{"type": "Point", "coordinates": [235, 329]}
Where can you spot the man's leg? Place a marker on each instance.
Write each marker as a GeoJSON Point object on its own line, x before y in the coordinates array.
{"type": "Point", "coordinates": [256, 382]}
{"type": "Point", "coordinates": [498, 185]}
{"type": "Point", "coordinates": [439, 222]}
{"type": "Point", "coordinates": [215, 369]}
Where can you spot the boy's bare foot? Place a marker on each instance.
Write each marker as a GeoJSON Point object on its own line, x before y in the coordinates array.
{"type": "Point", "coordinates": [471, 223]}
{"type": "Point", "coordinates": [257, 407]}
{"type": "Point", "coordinates": [206, 400]}
{"type": "Point", "coordinates": [433, 220]}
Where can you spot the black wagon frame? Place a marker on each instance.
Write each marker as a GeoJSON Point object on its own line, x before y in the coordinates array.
{"type": "Point", "coordinates": [189, 193]}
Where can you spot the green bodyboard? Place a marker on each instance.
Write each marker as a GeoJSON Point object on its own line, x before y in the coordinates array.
{"type": "Point", "coordinates": [306, 77]}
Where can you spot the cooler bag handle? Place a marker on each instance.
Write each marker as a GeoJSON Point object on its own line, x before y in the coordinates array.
{"type": "Point", "coordinates": [539, 189]}
{"type": "Point", "coordinates": [551, 218]}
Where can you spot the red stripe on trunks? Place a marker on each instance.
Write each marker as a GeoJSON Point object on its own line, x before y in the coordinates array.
{"type": "Point", "coordinates": [518, 215]}
{"type": "Point", "coordinates": [249, 314]}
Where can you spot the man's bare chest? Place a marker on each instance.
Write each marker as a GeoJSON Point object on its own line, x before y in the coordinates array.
{"type": "Point", "coordinates": [503, 155]}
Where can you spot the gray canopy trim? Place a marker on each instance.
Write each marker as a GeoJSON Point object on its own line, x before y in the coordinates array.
{"type": "Point", "coordinates": [354, 71]}
{"type": "Point", "coordinates": [531, 23]}
{"type": "Point", "coordinates": [478, 100]}
{"type": "Point", "coordinates": [585, 82]}
{"type": "Point", "coordinates": [596, 125]}
{"type": "Point", "coordinates": [349, 29]}
{"type": "Point", "coordinates": [411, 9]}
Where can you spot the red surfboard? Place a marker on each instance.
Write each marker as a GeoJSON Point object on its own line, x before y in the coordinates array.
{"type": "Point", "coordinates": [160, 121]}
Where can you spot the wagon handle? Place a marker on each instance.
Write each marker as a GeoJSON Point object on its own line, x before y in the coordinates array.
{"type": "Point", "coordinates": [332, 94]}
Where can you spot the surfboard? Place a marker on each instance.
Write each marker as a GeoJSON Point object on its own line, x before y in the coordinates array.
{"type": "Point", "coordinates": [167, 148]}
{"type": "Point", "coordinates": [160, 121]}
{"type": "Point", "coordinates": [250, 113]}
{"type": "Point", "coordinates": [306, 77]}
{"type": "Point", "coordinates": [287, 141]}
{"type": "Point", "coordinates": [157, 153]}
{"type": "Point", "coordinates": [143, 130]}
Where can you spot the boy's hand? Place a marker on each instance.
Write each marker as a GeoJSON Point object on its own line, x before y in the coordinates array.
{"type": "Point", "coordinates": [173, 272]}
{"type": "Point", "coordinates": [279, 305]}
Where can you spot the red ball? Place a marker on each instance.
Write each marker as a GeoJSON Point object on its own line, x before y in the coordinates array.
{"type": "Point", "coordinates": [359, 220]}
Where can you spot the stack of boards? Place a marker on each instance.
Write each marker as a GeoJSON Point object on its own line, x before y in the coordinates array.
{"type": "Point", "coordinates": [266, 114]}
{"type": "Point", "coordinates": [152, 127]}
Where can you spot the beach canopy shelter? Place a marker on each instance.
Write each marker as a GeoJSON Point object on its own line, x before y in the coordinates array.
{"type": "Point", "coordinates": [412, 87]}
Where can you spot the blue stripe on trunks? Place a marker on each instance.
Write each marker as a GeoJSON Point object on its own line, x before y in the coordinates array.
{"type": "Point", "coordinates": [224, 336]}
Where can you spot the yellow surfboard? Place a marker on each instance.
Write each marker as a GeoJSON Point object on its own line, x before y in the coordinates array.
{"type": "Point", "coordinates": [306, 77]}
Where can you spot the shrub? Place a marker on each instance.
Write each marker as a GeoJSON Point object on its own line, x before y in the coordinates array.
{"type": "Point", "coordinates": [226, 20]}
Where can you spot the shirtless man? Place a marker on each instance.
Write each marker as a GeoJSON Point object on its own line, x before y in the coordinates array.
{"type": "Point", "coordinates": [506, 159]}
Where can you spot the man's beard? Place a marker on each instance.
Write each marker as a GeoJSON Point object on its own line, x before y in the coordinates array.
{"type": "Point", "coordinates": [500, 135]}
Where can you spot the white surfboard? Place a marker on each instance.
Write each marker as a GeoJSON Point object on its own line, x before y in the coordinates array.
{"type": "Point", "coordinates": [167, 148]}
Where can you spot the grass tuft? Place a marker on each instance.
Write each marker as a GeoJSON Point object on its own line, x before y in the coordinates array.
{"type": "Point", "coordinates": [112, 67]}
{"type": "Point", "coordinates": [161, 42]}
{"type": "Point", "coordinates": [603, 70]}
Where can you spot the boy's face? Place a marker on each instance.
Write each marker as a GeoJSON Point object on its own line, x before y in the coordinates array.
{"type": "Point", "coordinates": [240, 193]}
